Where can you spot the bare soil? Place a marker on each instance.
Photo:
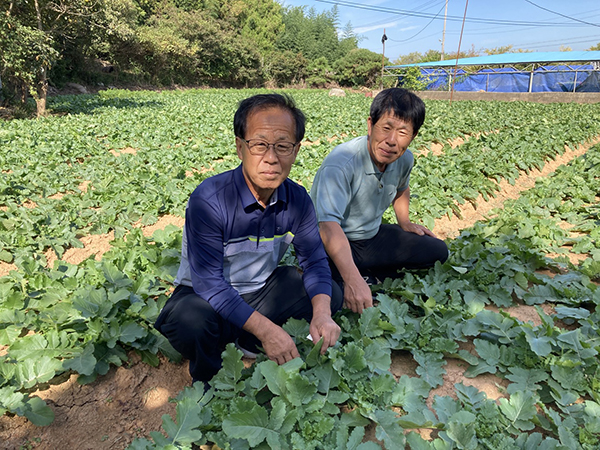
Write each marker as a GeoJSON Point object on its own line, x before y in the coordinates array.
{"type": "Point", "coordinates": [130, 400]}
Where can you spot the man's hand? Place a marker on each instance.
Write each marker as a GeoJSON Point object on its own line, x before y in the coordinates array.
{"type": "Point", "coordinates": [357, 295]}
{"type": "Point", "coordinates": [323, 326]}
{"type": "Point", "coordinates": [417, 229]}
{"type": "Point", "coordinates": [279, 346]}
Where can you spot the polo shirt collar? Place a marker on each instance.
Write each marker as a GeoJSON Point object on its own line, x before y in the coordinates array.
{"type": "Point", "coordinates": [246, 195]}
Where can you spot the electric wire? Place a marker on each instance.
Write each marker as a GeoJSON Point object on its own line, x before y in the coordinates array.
{"type": "Point", "coordinates": [422, 29]}
{"type": "Point", "coordinates": [448, 17]}
{"type": "Point", "coordinates": [562, 15]}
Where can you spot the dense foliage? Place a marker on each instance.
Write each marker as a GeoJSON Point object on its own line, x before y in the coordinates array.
{"type": "Point", "coordinates": [166, 42]}
{"type": "Point", "coordinates": [61, 182]}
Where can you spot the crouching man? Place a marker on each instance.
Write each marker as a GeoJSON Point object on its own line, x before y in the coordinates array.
{"type": "Point", "coordinates": [238, 225]}
{"type": "Point", "coordinates": [354, 186]}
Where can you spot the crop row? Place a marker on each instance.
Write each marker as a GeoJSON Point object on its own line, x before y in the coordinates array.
{"type": "Point", "coordinates": [61, 182]}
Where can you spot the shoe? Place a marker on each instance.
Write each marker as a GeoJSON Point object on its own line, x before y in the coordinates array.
{"type": "Point", "coordinates": [247, 353]}
{"type": "Point", "coordinates": [371, 280]}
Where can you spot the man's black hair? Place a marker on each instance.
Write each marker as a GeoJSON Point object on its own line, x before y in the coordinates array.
{"type": "Point", "coordinates": [264, 101]}
{"type": "Point", "coordinates": [403, 104]}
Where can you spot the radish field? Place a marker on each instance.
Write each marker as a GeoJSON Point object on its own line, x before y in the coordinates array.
{"type": "Point", "coordinates": [118, 161]}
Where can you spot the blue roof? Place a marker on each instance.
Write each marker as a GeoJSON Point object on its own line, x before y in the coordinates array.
{"type": "Point", "coordinates": [512, 58]}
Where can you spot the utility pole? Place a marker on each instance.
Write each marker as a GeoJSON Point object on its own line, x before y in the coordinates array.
{"type": "Point", "coordinates": [444, 32]}
{"type": "Point", "coordinates": [383, 39]}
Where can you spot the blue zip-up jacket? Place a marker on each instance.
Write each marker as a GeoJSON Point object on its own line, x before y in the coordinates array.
{"type": "Point", "coordinates": [231, 245]}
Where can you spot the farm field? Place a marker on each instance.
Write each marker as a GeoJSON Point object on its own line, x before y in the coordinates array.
{"type": "Point", "coordinates": [497, 348]}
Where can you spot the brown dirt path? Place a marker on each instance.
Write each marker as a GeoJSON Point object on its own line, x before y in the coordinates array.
{"type": "Point", "coordinates": [450, 227]}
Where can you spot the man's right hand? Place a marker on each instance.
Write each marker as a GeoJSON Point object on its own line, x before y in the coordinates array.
{"type": "Point", "coordinates": [357, 295]}
{"type": "Point", "coordinates": [279, 346]}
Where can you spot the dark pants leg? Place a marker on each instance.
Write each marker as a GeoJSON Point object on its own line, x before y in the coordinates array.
{"type": "Point", "coordinates": [200, 334]}
{"type": "Point", "coordinates": [392, 249]}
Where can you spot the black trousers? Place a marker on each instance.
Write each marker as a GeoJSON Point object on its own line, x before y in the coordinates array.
{"type": "Point", "coordinates": [200, 334]}
{"type": "Point", "coordinates": [393, 249]}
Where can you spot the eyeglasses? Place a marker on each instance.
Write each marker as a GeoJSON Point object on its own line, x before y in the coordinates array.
{"type": "Point", "coordinates": [258, 147]}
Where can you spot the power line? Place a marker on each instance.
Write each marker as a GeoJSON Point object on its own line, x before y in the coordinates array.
{"type": "Point", "coordinates": [562, 15]}
{"type": "Point", "coordinates": [451, 18]}
{"type": "Point", "coordinates": [380, 22]}
{"type": "Point", "coordinates": [421, 30]}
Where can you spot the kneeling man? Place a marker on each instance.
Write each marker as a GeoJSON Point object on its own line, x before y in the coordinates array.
{"type": "Point", "coordinates": [354, 186]}
{"type": "Point", "coordinates": [238, 225]}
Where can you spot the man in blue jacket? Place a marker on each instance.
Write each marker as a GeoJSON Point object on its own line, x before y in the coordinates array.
{"type": "Point", "coordinates": [238, 225]}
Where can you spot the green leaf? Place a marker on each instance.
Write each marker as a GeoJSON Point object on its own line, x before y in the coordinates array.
{"type": "Point", "coordinates": [38, 412]}
{"type": "Point", "coordinates": [377, 357]}
{"type": "Point", "coordinates": [92, 303]}
{"type": "Point", "coordinates": [184, 430]}
{"type": "Point", "coordinates": [519, 409]}
{"type": "Point", "coordinates": [9, 334]}
{"type": "Point", "coordinates": [327, 377]}
{"type": "Point", "coordinates": [275, 375]}
{"type": "Point", "coordinates": [498, 325]}
{"type": "Point", "coordinates": [40, 370]}
{"type": "Point", "coordinates": [469, 395]}
{"type": "Point", "coordinates": [299, 390]}
{"type": "Point", "coordinates": [131, 331]}
{"type": "Point", "coordinates": [409, 393]}
{"type": "Point", "coordinates": [539, 294]}
{"type": "Point", "coordinates": [564, 312]}
{"type": "Point", "coordinates": [251, 426]}
{"type": "Point", "coordinates": [353, 359]}
{"type": "Point", "coordinates": [431, 367]}
{"type": "Point", "coordinates": [388, 430]}
{"type": "Point", "coordinates": [114, 276]}
{"type": "Point", "coordinates": [540, 345]}
{"type": "Point", "coordinates": [84, 363]}
{"type": "Point", "coordinates": [228, 377]}
{"type": "Point", "coordinates": [461, 431]}
{"type": "Point", "coordinates": [524, 379]}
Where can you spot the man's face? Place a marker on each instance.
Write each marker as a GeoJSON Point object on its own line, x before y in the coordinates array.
{"type": "Point", "coordinates": [388, 139]}
{"type": "Point", "coordinates": [264, 173]}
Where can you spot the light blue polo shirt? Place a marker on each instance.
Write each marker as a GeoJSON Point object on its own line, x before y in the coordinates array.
{"type": "Point", "coordinates": [350, 190]}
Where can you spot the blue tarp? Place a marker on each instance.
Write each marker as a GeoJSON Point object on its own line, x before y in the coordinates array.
{"type": "Point", "coordinates": [548, 78]}
{"type": "Point", "coordinates": [508, 79]}
{"type": "Point", "coordinates": [512, 58]}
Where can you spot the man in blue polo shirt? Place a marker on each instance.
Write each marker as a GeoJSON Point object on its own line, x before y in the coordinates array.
{"type": "Point", "coordinates": [238, 225]}
{"type": "Point", "coordinates": [354, 186]}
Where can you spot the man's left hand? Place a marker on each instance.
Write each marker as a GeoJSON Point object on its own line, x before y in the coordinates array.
{"type": "Point", "coordinates": [417, 229]}
{"type": "Point", "coordinates": [324, 326]}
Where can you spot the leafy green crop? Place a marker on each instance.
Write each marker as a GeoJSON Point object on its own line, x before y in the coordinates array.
{"type": "Point", "coordinates": [60, 182]}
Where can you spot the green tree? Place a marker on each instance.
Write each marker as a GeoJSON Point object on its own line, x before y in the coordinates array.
{"type": "Point", "coordinates": [411, 78]}
{"type": "Point", "coordinates": [284, 68]}
{"type": "Point", "coordinates": [594, 47]}
{"type": "Point", "coordinates": [188, 47]}
{"type": "Point", "coordinates": [360, 67]}
{"type": "Point", "coordinates": [348, 41]}
{"type": "Point", "coordinates": [319, 73]}
{"type": "Point", "coordinates": [39, 34]}
{"type": "Point", "coordinates": [262, 23]}
{"type": "Point", "coordinates": [504, 49]}
{"type": "Point", "coordinates": [26, 55]}
{"type": "Point", "coordinates": [310, 33]}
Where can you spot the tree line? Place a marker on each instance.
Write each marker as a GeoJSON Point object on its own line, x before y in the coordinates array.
{"type": "Point", "coordinates": [225, 43]}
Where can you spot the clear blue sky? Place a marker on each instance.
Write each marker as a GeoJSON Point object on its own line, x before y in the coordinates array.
{"type": "Point", "coordinates": [418, 25]}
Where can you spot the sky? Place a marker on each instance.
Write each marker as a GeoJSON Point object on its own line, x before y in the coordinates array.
{"type": "Point", "coordinates": [418, 25]}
